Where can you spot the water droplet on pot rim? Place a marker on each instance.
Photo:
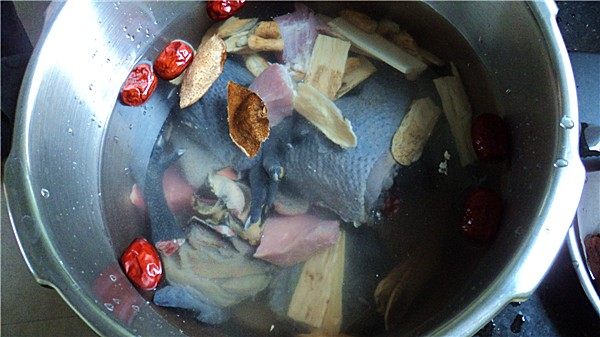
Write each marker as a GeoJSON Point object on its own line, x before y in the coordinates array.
{"type": "Point", "coordinates": [561, 163]}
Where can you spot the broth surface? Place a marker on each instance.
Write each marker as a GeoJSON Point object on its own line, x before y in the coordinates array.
{"type": "Point", "coordinates": [421, 234]}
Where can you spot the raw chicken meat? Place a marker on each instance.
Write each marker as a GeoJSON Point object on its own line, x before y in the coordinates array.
{"type": "Point", "coordinates": [275, 87]}
{"type": "Point", "coordinates": [178, 192]}
{"type": "Point", "coordinates": [288, 240]}
{"type": "Point", "coordinates": [299, 31]}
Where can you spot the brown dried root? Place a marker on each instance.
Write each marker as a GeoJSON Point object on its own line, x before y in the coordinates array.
{"type": "Point", "coordinates": [360, 20]}
{"type": "Point", "coordinates": [244, 36]}
{"type": "Point", "coordinates": [378, 47]}
{"type": "Point", "coordinates": [327, 64]}
{"type": "Point", "coordinates": [387, 27]}
{"type": "Point", "coordinates": [352, 63]}
{"type": "Point", "coordinates": [247, 119]}
{"type": "Point", "coordinates": [430, 58]}
{"type": "Point", "coordinates": [238, 43]}
{"type": "Point", "coordinates": [268, 30]}
{"type": "Point", "coordinates": [258, 43]}
{"type": "Point", "coordinates": [256, 64]}
{"type": "Point", "coordinates": [456, 107]}
{"type": "Point", "coordinates": [317, 299]}
{"type": "Point", "coordinates": [322, 113]}
{"type": "Point", "coordinates": [396, 292]}
{"type": "Point", "coordinates": [206, 67]}
{"type": "Point", "coordinates": [406, 41]}
{"type": "Point", "coordinates": [297, 76]}
{"type": "Point", "coordinates": [414, 131]}
{"type": "Point", "coordinates": [235, 25]}
{"type": "Point", "coordinates": [353, 77]}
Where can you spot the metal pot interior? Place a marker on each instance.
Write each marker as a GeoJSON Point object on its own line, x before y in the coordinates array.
{"type": "Point", "coordinates": [93, 149]}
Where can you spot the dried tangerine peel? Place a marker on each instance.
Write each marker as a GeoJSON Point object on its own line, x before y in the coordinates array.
{"type": "Point", "coordinates": [247, 118]}
{"type": "Point", "coordinates": [204, 70]}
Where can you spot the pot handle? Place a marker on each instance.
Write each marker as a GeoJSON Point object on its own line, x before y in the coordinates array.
{"type": "Point", "coordinates": [28, 232]}
{"type": "Point", "coordinates": [586, 67]}
{"type": "Point", "coordinates": [18, 197]}
{"type": "Point", "coordinates": [589, 146]}
{"type": "Point", "coordinates": [564, 190]}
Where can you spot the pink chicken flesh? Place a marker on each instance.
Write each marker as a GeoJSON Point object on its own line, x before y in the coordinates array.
{"type": "Point", "coordinates": [288, 240]}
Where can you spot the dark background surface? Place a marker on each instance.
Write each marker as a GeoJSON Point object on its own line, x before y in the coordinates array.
{"type": "Point", "coordinates": [559, 307]}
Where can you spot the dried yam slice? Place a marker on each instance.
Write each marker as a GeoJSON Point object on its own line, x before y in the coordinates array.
{"type": "Point", "coordinates": [327, 65]}
{"type": "Point", "coordinates": [380, 48]}
{"type": "Point", "coordinates": [256, 64]}
{"type": "Point", "coordinates": [204, 70]}
{"type": "Point", "coordinates": [235, 25]}
{"type": "Point", "coordinates": [414, 131]}
{"type": "Point", "coordinates": [353, 77]}
{"type": "Point", "coordinates": [456, 107]}
{"type": "Point", "coordinates": [360, 20]}
{"type": "Point", "coordinates": [268, 30]}
{"type": "Point", "coordinates": [322, 113]}
{"type": "Point", "coordinates": [258, 43]}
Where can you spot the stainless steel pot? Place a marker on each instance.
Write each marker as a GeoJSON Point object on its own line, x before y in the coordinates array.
{"type": "Point", "coordinates": [66, 179]}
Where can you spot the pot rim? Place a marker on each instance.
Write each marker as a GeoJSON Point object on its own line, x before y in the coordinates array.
{"type": "Point", "coordinates": [520, 278]}
{"type": "Point", "coordinates": [515, 283]}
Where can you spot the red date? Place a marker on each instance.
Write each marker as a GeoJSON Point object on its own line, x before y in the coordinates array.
{"type": "Point", "coordinates": [481, 215]}
{"type": "Point", "coordinates": [139, 86]}
{"type": "Point", "coordinates": [173, 60]}
{"type": "Point", "coordinates": [391, 206]}
{"type": "Point", "coordinates": [142, 264]}
{"type": "Point", "coordinates": [223, 9]}
{"type": "Point", "coordinates": [592, 250]}
{"type": "Point", "coordinates": [490, 138]}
